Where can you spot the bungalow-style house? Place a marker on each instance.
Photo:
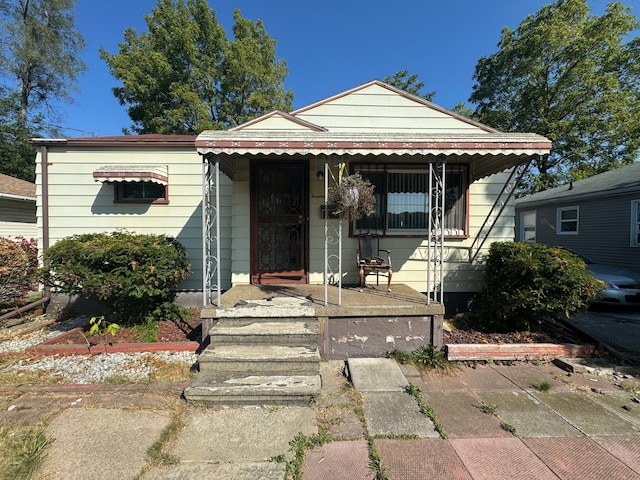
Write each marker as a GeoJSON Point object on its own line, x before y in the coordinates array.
{"type": "Point", "coordinates": [598, 217]}
{"type": "Point", "coordinates": [17, 208]}
{"type": "Point", "coordinates": [250, 205]}
{"type": "Point", "coordinates": [406, 146]}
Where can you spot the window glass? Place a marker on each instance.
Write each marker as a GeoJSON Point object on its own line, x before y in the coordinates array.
{"type": "Point", "coordinates": [568, 220]}
{"type": "Point", "coordinates": [403, 203]}
{"type": "Point", "coordinates": [528, 227]}
{"type": "Point", "coordinates": [140, 191]}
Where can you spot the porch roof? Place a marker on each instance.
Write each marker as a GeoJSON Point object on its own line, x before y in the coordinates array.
{"type": "Point", "coordinates": [487, 153]}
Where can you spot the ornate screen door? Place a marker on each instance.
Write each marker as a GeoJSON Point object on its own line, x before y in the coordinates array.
{"type": "Point", "coordinates": [278, 222]}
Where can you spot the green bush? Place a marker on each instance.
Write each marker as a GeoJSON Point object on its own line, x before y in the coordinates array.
{"type": "Point", "coordinates": [18, 265]}
{"type": "Point", "coordinates": [131, 274]}
{"type": "Point", "coordinates": [525, 283]}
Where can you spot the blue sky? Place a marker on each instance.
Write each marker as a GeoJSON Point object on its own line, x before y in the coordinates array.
{"type": "Point", "coordinates": [329, 46]}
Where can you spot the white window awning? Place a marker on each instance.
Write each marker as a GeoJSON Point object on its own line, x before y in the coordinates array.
{"type": "Point", "coordinates": [132, 173]}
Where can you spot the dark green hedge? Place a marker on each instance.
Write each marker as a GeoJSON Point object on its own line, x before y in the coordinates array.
{"type": "Point", "coordinates": [131, 274]}
{"type": "Point", "coordinates": [524, 283]}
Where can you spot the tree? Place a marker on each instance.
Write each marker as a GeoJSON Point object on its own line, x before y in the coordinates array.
{"type": "Point", "coordinates": [40, 54]}
{"type": "Point", "coordinates": [409, 83]}
{"type": "Point", "coordinates": [572, 77]}
{"type": "Point", "coordinates": [183, 75]}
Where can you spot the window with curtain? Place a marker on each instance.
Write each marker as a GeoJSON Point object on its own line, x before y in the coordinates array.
{"type": "Point", "coordinates": [402, 200]}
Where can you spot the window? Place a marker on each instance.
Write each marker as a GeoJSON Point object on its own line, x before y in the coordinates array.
{"type": "Point", "coordinates": [402, 200]}
{"type": "Point", "coordinates": [567, 222]}
{"type": "Point", "coordinates": [635, 223]}
{"type": "Point", "coordinates": [528, 227]}
{"type": "Point", "coordinates": [146, 192]}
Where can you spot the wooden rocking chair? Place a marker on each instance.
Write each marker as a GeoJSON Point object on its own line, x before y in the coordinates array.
{"type": "Point", "coordinates": [368, 262]}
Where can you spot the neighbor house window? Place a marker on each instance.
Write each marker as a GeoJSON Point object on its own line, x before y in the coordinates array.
{"type": "Point", "coordinates": [403, 200]}
{"type": "Point", "coordinates": [528, 226]}
{"type": "Point", "coordinates": [145, 192]}
{"type": "Point", "coordinates": [635, 223]}
{"type": "Point", "coordinates": [567, 223]}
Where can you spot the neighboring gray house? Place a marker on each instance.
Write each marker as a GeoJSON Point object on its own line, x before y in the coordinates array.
{"type": "Point", "coordinates": [17, 208]}
{"type": "Point", "coordinates": [598, 217]}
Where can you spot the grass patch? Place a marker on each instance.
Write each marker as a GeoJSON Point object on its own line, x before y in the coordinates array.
{"type": "Point", "coordinates": [299, 446]}
{"type": "Point", "coordinates": [22, 450]}
{"type": "Point", "coordinates": [29, 377]}
{"type": "Point", "coordinates": [630, 387]}
{"type": "Point", "coordinates": [542, 386]}
{"type": "Point", "coordinates": [509, 428]}
{"type": "Point", "coordinates": [424, 358]}
{"type": "Point", "coordinates": [148, 331]}
{"type": "Point", "coordinates": [489, 409]}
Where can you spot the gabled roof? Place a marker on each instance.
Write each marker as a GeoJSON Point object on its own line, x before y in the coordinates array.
{"type": "Point", "coordinates": [16, 189]}
{"type": "Point", "coordinates": [613, 182]}
{"type": "Point", "coordinates": [374, 119]}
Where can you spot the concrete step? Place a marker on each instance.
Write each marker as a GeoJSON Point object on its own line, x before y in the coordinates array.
{"type": "Point", "coordinates": [291, 333]}
{"type": "Point", "coordinates": [259, 360]}
{"type": "Point", "coordinates": [254, 390]}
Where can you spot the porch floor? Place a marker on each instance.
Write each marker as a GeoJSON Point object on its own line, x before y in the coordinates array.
{"type": "Point", "coordinates": [372, 301]}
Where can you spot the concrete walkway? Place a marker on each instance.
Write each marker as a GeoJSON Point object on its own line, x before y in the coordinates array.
{"type": "Point", "coordinates": [519, 421]}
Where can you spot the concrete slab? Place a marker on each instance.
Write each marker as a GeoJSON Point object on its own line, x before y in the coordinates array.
{"type": "Point", "coordinates": [483, 377]}
{"type": "Point", "coordinates": [376, 375]}
{"type": "Point", "coordinates": [626, 449]}
{"type": "Point", "coordinates": [396, 413]}
{"type": "Point", "coordinates": [251, 434]}
{"type": "Point", "coordinates": [433, 381]}
{"type": "Point", "coordinates": [491, 458]}
{"type": "Point", "coordinates": [621, 403]}
{"type": "Point", "coordinates": [426, 459]}
{"type": "Point", "coordinates": [529, 416]}
{"type": "Point", "coordinates": [338, 460]}
{"type": "Point", "coordinates": [461, 415]}
{"type": "Point", "coordinates": [587, 415]}
{"type": "Point", "coordinates": [100, 443]}
{"type": "Point", "coordinates": [619, 329]}
{"type": "Point", "coordinates": [208, 471]}
{"type": "Point", "coordinates": [526, 375]}
{"type": "Point", "coordinates": [577, 459]}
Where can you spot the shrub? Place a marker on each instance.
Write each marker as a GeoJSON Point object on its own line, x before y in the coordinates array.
{"type": "Point", "coordinates": [131, 274]}
{"type": "Point", "coordinates": [525, 283]}
{"type": "Point", "coordinates": [18, 265]}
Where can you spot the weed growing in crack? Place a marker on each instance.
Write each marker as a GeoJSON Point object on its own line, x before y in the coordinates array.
{"type": "Point", "coordinates": [425, 357]}
{"type": "Point", "coordinates": [489, 409]}
{"type": "Point", "coordinates": [542, 386]}
{"type": "Point", "coordinates": [425, 409]}
{"type": "Point", "coordinates": [509, 428]}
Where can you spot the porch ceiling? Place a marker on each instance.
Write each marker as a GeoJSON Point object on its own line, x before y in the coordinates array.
{"type": "Point", "coordinates": [487, 153]}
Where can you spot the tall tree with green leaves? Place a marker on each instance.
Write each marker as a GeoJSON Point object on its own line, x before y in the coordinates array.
{"type": "Point", "coordinates": [183, 75]}
{"type": "Point", "coordinates": [573, 77]}
{"type": "Point", "coordinates": [40, 62]}
{"type": "Point", "coordinates": [403, 80]}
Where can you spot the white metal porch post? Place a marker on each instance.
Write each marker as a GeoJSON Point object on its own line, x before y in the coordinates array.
{"type": "Point", "coordinates": [435, 239]}
{"type": "Point", "coordinates": [211, 272]}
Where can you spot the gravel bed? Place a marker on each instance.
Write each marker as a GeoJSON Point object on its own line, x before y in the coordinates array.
{"type": "Point", "coordinates": [83, 369]}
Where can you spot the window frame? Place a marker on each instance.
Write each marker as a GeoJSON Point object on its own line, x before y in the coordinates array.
{"type": "Point", "coordinates": [118, 196]}
{"type": "Point", "coordinates": [524, 227]}
{"type": "Point", "coordinates": [385, 168]}
{"type": "Point", "coordinates": [560, 221]}
{"type": "Point", "coordinates": [635, 223]}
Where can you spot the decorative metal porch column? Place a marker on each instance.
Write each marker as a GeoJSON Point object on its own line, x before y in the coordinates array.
{"type": "Point", "coordinates": [211, 273]}
{"type": "Point", "coordinates": [435, 242]}
{"type": "Point", "coordinates": [332, 276]}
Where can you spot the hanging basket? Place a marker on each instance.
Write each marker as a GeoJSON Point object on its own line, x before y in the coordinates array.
{"type": "Point", "coordinates": [352, 198]}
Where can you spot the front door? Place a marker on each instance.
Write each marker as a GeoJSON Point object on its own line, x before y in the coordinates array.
{"type": "Point", "coordinates": [278, 222]}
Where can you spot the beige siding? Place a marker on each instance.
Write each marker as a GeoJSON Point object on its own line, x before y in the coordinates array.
{"type": "Point", "coordinates": [410, 255]}
{"type": "Point", "coordinates": [78, 204]}
{"type": "Point", "coordinates": [376, 109]}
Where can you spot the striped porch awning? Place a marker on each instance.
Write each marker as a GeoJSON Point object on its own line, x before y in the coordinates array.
{"type": "Point", "coordinates": [132, 173]}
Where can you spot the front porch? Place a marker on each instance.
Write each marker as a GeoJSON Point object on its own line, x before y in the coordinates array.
{"type": "Point", "coordinates": [351, 323]}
